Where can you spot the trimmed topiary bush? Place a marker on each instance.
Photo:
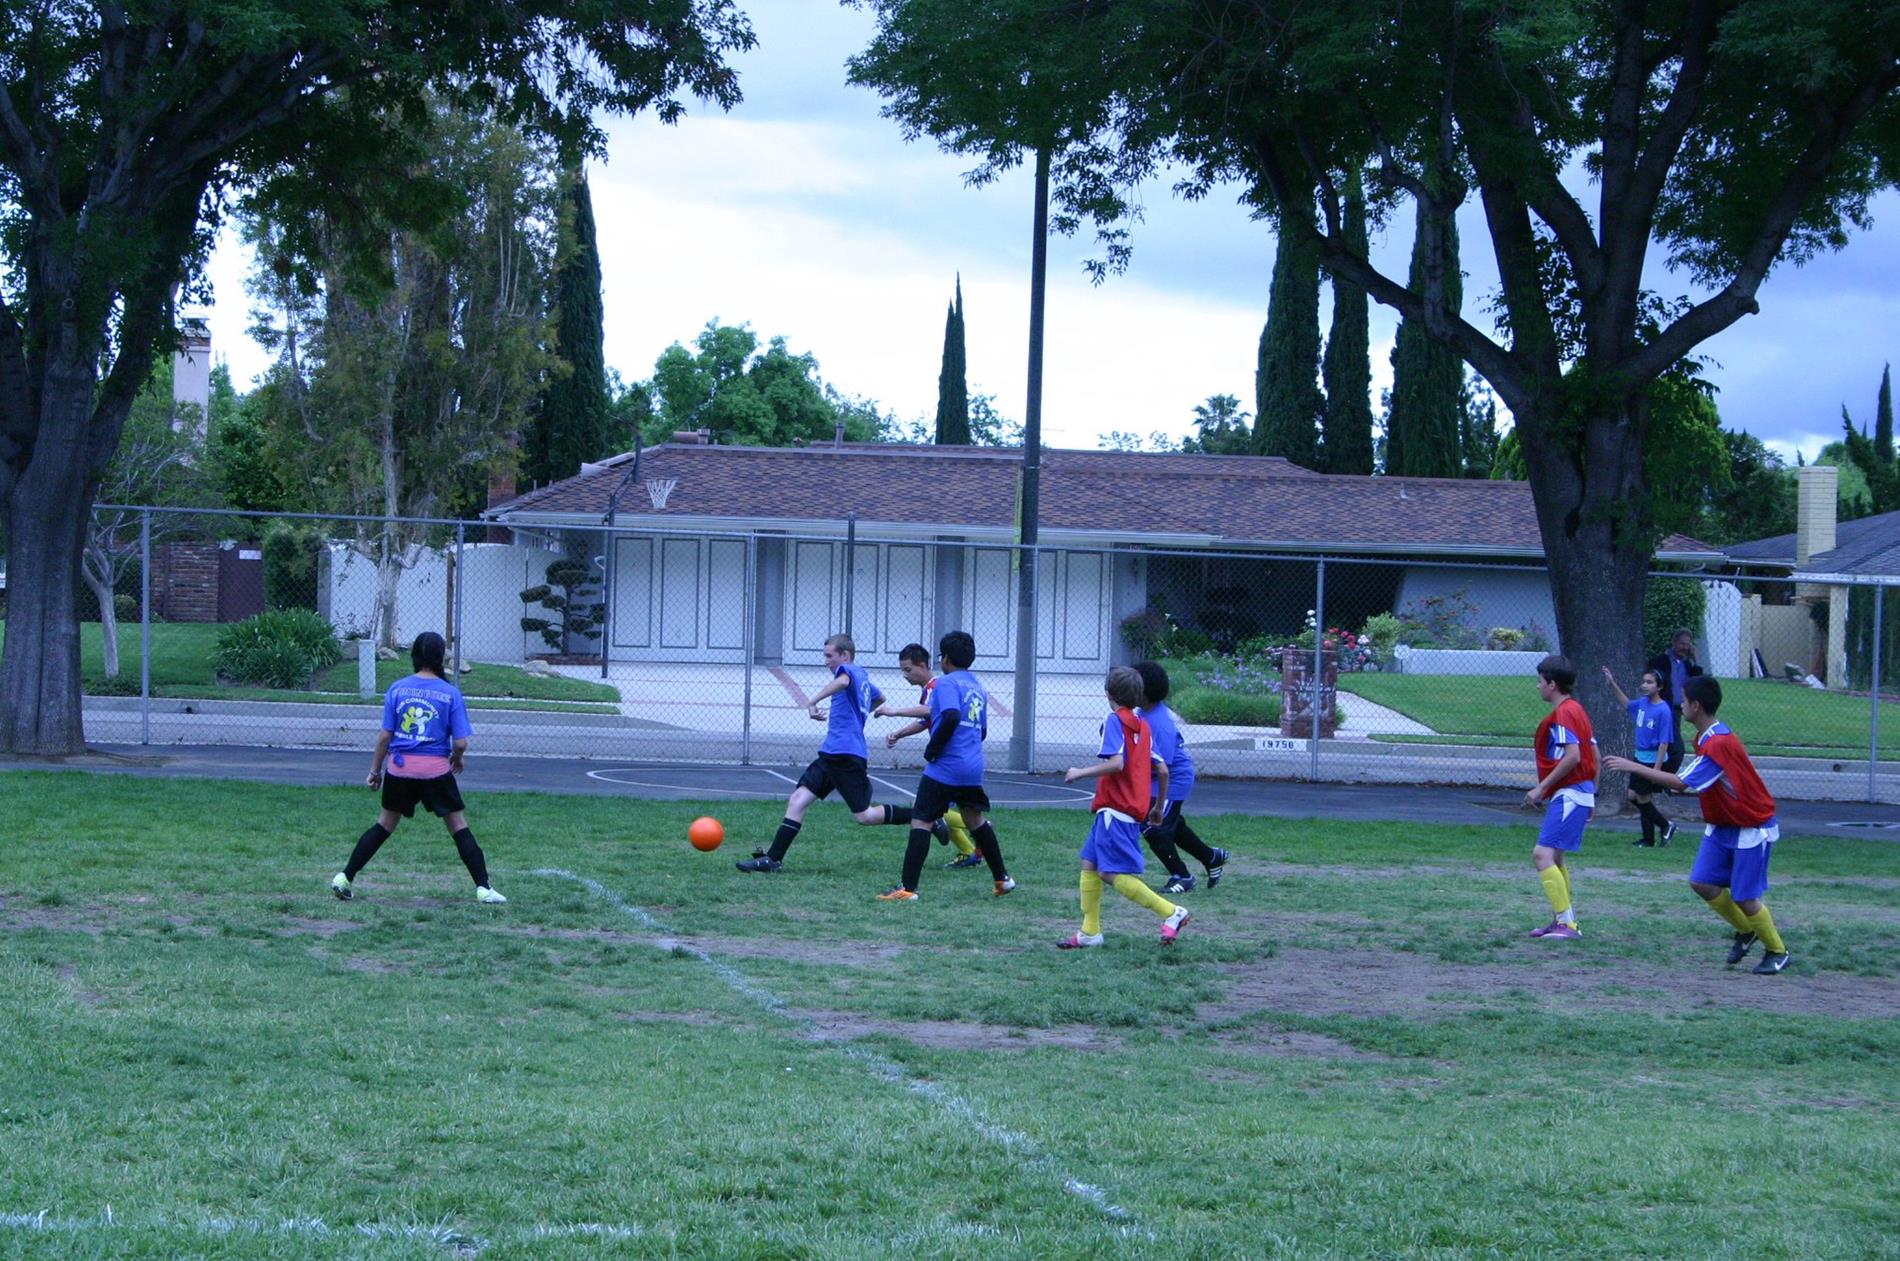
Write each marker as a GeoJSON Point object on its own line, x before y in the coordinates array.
{"type": "Point", "coordinates": [283, 648]}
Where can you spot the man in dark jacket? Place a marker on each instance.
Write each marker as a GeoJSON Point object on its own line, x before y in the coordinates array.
{"type": "Point", "coordinates": [1674, 668]}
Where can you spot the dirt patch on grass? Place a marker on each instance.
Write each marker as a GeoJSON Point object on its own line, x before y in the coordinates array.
{"type": "Point", "coordinates": [18, 916]}
{"type": "Point", "coordinates": [784, 949]}
{"type": "Point", "coordinates": [1294, 1044]}
{"type": "Point", "coordinates": [298, 926]}
{"type": "Point", "coordinates": [69, 976]}
{"type": "Point", "coordinates": [952, 1035]}
{"type": "Point", "coordinates": [1394, 983]}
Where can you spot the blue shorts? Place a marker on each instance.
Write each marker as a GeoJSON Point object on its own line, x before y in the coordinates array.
{"type": "Point", "coordinates": [1737, 858]}
{"type": "Point", "coordinates": [1114, 846]}
{"type": "Point", "coordinates": [1564, 821]}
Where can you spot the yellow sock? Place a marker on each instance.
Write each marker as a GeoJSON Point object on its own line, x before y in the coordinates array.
{"type": "Point", "coordinates": [1764, 925]}
{"type": "Point", "coordinates": [1091, 903]}
{"type": "Point", "coordinates": [959, 834]}
{"type": "Point", "coordinates": [1140, 894]}
{"type": "Point", "coordinates": [1556, 888]}
{"type": "Point", "coordinates": [1570, 890]}
{"type": "Point", "coordinates": [1724, 905]}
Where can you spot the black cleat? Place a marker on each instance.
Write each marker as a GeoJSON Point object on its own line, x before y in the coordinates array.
{"type": "Point", "coordinates": [761, 863]}
{"type": "Point", "coordinates": [1216, 867]}
{"type": "Point", "coordinates": [1669, 830]}
{"type": "Point", "coordinates": [1739, 948]}
{"type": "Point", "coordinates": [1771, 964]}
{"type": "Point", "coordinates": [1179, 884]}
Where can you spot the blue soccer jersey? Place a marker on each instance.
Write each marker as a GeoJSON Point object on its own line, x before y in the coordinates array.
{"type": "Point", "coordinates": [1171, 750]}
{"type": "Point", "coordinates": [961, 762]}
{"type": "Point", "coordinates": [850, 709]}
{"type": "Point", "coordinates": [424, 715]}
{"type": "Point", "coordinates": [1653, 727]}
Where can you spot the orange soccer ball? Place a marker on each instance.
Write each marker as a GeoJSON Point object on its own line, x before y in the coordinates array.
{"type": "Point", "coordinates": [706, 833]}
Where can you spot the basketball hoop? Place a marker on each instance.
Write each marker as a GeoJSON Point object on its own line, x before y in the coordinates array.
{"type": "Point", "coordinates": [659, 488]}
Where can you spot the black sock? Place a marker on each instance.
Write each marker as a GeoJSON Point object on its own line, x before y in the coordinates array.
{"type": "Point", "coordinates": [1160, 839]}
{"type": "Point", "coordinates": [985, 838]}
{"type": "Point", "coordinates": [472, 857]}
{"type": "Point", "coordinates": [787, 830]}
{"type": "Point", "coordinates": [1652, 817]}
{"type": "Point", "coordinates": [1199, 850]}
{"type": "Point", "coordinates": [897, 815]}
{"type": "Point", "coordinates": [366, 847]}
{"type": "Point", "coordinates": [915, 853]}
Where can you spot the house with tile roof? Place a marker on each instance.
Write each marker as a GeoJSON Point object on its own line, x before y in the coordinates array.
{"type": "Point", "coordinates": [1228, 544]}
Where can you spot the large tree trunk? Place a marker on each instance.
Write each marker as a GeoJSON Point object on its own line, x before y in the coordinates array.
{"type": "Point", "coordinates": [46, 531]}
{"type": "Point", "coordinates": [1598, 547]}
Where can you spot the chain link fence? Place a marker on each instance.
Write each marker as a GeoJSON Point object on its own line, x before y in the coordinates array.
{"type": "Point", "coordinates": [583, 642]}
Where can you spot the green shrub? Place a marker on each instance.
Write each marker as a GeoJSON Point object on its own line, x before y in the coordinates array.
{"type": "Point", "coordinates": [291, 552]}
{"type": "Point", "coordinates": [125, 607]}
{"type": "Point", "coordinates": [1185, 641]}
{"type": "Point", "coordinates": [1381, 632]}
{"type": "Point", "coordinates": [1143, 631]}
{"type": "Point", "coordinates": [1668, 605]}
{"type": "Point", "coordinates": [282, 648]}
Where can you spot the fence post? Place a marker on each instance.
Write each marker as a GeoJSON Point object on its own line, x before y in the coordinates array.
{"type": "Point", "coordinates": [606, 598]}
{"type": "Point", "coordinates": [145, 626]}
{"type": "Point", "coordinates": [458, 581]}
{"type": "Point", "coordinates": [850, 566]}
{"type": "Point", "coordinates": [1318, 679]}
{"type": "Point", "coordinates": [746, 647]}
{"type": "Point", "coordinates": [1873, 720]}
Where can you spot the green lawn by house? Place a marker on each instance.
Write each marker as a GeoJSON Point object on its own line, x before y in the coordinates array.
{"type": "Point", "coordinates": [1765, 713]}
{"type": "Point", "coordinates": [181, 667]}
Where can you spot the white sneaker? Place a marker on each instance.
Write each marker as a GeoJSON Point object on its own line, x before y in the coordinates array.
{"type": "Point", "coordinates": [341, 887]}
{"type": "Point", "coordinates": [1079, 941]}
{"type": "Point", "coordinates": [485, 894]}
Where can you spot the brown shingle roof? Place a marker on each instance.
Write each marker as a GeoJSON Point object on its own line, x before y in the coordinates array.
{"type": "Point", "coordinates": [1251, 500]}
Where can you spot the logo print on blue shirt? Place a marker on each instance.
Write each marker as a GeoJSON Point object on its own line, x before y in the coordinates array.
{"type": "Point", "coordinates": [415, 716]}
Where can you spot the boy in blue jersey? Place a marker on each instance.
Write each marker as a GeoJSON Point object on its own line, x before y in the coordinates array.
{"type": "Point", "coordinates": [1170, 833]}
{"type": "Point", "coordinates": [913, 662]}
{"type": "Point", "coordinates": [1655, 725]}
{"type": "Point", "coordinates": [840, 763]}
{"type": "Point", "coordinates": [425, 732]}
{"type": "Point", "coordinates": [953, 768]}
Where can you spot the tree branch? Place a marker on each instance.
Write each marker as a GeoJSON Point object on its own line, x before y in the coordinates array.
{"type": "Point", "coordinates": [38, 187]}
{"type": "Point", "coordinates": [1737, 299]}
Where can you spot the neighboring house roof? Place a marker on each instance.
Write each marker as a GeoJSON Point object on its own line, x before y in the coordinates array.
{"type": "Point", "coordinates": [1106, 496]}
{"type": "Point", "coordinates": [1858, 544]}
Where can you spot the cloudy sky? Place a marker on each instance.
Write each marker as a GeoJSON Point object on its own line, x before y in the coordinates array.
{"type": "Point", "coordinates": [806, 215]}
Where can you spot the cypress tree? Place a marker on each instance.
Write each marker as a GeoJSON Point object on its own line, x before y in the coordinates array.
{"type": "Point", "coordinates": [1875, 457]}
{"type": "Point", "coordinates": [1348, 426]}
{"type": "Point", "coordinates": [571, 424]}
{"type": "Point", "coordinates": [1428, 376]}
{"type": "Point", "coordinates": [953, 387]}
{"type": "Point", "coordinates": [1287, 401]}
{"type": "Point", "coordinates": [1883, 417]}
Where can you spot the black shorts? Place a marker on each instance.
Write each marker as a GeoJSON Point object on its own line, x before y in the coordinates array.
{"type": "Point", "coordinates": [843, 771]}
{"type": "Point", "coordinates": [934, 797]}
{"type": "Point", "coordinates": [440, 795]}
{"type": "Point", "coordinates": [1170, 822]}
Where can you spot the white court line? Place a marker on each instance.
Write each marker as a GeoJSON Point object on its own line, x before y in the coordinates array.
{"type": "Point", "coordinates": [952, 1104]}
{"type": "Point", "coordinates": [769, 771]}
{"type": "Point", "coordinates": [896, 788]}
{"type": "Point", "coordinates": [608, 777]}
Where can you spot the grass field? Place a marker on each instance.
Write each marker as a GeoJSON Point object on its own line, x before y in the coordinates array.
{"type": "Point", "coordinates": [1763, 712]}
{"type": "Point", "coordinates": [181, 668]}
{"type": "Point", "coordinates": [1354, 1051]}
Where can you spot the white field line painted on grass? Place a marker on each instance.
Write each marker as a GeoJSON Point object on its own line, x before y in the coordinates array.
{"type": "Point", "coordinates": [441, 1233]}
{"type": "Point", "coordinates": [890, 1070]}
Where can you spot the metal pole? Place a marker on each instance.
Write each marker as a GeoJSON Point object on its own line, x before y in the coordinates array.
{"type": "Point", "coordinates": [1873, 723]}
{"type": "Point", "coordinates": [1022, 727]}
{"type": "Point", "coordinates": [459, 582]}
{"type": "Point", "coordinates": [145, 626]}
{"type": "Point", "coordinates": [746, 646]}
{"type": "Point", "coordinates": [850, 566]}
{"type": "Point", "coordinates": [607, 599]}
{"type": "Point", "coordinates": [1319, 666]}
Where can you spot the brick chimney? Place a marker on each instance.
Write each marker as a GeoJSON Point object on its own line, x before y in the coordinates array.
{"type": "Point", "coordinates": [1817, 495]}
{"type": "Point", "coordinates": [501, 488]}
